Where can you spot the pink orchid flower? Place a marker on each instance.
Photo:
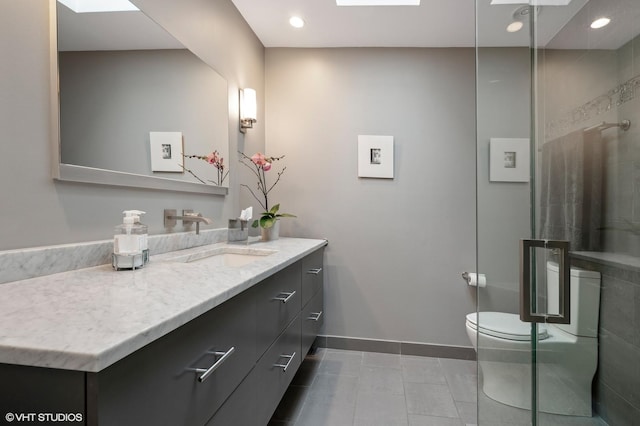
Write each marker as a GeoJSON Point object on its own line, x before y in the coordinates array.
{"type": "Point", "coordinates": [259, 159]}
{"type": "Point", "coordinates": [212, 158]}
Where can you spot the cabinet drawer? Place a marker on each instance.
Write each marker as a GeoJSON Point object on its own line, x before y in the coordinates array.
{"type": "Point", "coordinates": [239, 408]}
{"type": "Point", "coordinates": [277, 304]}
{"type": "Point", "coordinates": [275, 370]}
{"type": "Point", "coordinates": [312, 275]}
{"type": "Point", "coordinates": [311, 318]}
{"type": "Point", "coordinates": [157, 385]}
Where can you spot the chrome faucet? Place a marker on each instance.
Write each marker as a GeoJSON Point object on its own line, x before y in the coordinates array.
{"type": "Point", "coordinates": [188, 217]}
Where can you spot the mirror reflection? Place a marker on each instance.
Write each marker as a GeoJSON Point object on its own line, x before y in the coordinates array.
{"type": "Point", "coordinates": [133, 99]}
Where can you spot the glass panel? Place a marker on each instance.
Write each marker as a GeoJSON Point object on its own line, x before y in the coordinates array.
{"type": "Point", "coordinates": [573, 91]}
{"type": "Point", "coordinates": [504, 218]}
{"type": "Point", "coordinates": [584, 193]}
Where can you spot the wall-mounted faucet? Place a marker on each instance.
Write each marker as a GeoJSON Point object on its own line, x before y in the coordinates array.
{"type": "Point", "coordinates": [188, 217]}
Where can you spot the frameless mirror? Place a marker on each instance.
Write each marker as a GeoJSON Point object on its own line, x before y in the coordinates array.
{"type": "Point", "coordinates": [132, 101]}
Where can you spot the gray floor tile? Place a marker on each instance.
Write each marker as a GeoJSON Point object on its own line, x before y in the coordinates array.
{"type": "Point", "coordinates": [430, 399]}
{"type": "Point", "coordinates": [491, 412]}
{"type": "Point", "coordinates": [464, 387]}
{"type": "Point", "coordinates": [332, 413]}
{"type": "Point", "coordinates": [416, 369]}
{"type": "Point", "coordinates": [344, 363]}
{"type": "Point", "coordinates": [308, 368]}
{"type": "Point", "coordinates": [373, 409]}
{"type": "Point", "coordinates": [458, 366]}
{"type": "Point", "coordinates": [417, 420]}
{"type": "Point", "coordinates": [291, 404]}
{"type": "Point", "coordinates": [381, 380]}
{"type": "Point", "coordinates": [331, 387]}
{"type": "Point", "coordinates": [374, 359]}
{"type": "Point", "coordinates": [468, 412]}
{"type": "Point", "coordinates": [349, 388]}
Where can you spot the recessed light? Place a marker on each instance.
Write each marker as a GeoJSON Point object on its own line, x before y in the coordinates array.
{"type": "Point", "coordinates": [600, 22]}
{"type": "Point", "coordinates": [296, 22]}
{"type": "Point", "coordinates": [515, 26]}
{"type": "Point", "coordinates": [87, 6]}
{"type": "Point", "coordinates": [378, 2]}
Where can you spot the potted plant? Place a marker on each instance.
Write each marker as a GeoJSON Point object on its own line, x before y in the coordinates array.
{"type": "Point", "coordinates": [259, 164]}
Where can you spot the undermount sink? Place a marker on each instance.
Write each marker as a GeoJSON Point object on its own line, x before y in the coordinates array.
{"type": "Point", "coordinates": [225, 256]}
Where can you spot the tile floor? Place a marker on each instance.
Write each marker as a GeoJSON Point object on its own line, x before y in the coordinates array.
{"type": "Point", "coordinates": [348, 388]}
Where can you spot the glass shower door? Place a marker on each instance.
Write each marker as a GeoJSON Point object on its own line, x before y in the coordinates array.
{"type": "Point", "coordinates": [558, 211]}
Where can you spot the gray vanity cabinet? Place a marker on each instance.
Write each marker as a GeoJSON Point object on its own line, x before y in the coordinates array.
{"type": "Point", "coordinates": [277, 304]}
{"type": "Point", "coordinates": [312, 275]}
{"type": "Point", "coordinates": [160, 384]}
{"type": "Point", "coordinates": [275, 370]}
{"type": "Point", "coordinates": [228, 367]}
{"type": "Point", "coordinates": [312, 319]}
{"type": "Point", "coordinates": [312, 316]}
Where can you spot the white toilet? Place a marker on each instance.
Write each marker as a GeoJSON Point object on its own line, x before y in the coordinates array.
{"type": "Point", "coordinates": [567, 354]}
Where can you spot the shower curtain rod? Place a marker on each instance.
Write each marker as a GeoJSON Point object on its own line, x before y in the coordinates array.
{"type": "Point", "coordinates": [624, 125]}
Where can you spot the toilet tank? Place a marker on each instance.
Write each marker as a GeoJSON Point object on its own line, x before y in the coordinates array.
{"type": "Point", "coordinates": [585, 299]}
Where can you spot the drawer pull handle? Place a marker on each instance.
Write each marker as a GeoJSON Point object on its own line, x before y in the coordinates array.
{"type": "Point", "coordinates": [285, 366]}
{"type": "Point", "coordinates": [315, 271]}
{"type": "Point", "coordinates": [315, 316]}
{"type": "Point", "coordinates": [206, 372]}
{"type": "Point", "coordinates": [284, 297]}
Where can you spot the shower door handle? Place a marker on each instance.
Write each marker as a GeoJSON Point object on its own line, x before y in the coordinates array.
{"type": "Point", "coordinates": [527, 312]}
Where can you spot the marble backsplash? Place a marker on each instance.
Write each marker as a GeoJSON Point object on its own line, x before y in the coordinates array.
{"type": "Point", "coordinates": [33, 262]}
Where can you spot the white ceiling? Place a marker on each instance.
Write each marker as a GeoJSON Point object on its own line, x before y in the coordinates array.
{"type": "Point", "coordinates": [435, 23]}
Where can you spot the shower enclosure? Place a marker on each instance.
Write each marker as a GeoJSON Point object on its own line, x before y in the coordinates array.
{"type": "Point", "coordinates": [558, 183]}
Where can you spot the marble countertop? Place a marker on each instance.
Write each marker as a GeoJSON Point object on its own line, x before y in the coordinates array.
{"type": "Point", "coordinates": [90, 318]}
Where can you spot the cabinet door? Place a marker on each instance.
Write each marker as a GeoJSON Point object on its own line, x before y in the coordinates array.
{"type": "Point", "coordinates": [277, 304]}
{"type": "Point", "coordinates": [33, 394]}
{"type": "Point", "coordinates": [275, 370]}
{"type": "Point", "coordinates": [157, 385]}
{"type": "Point", "coordinates": [312, 275]}
{"type": "Point", "coordinates": [312, 318]}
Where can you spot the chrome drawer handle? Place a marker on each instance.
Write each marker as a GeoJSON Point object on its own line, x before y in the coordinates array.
{"type": "Point", "coordinates": [284, 296]}
{"type": "Point", "coordinates": [315, 271]}
{"type": "Point", "coordinates": [285, 366]}
{"type": "Point", "coordinates": [209, 371]}
{"type": "Point", "coordinates": [315, 316]}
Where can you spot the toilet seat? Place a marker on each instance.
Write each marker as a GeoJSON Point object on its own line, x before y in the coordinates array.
{"type": "Point", "coordinates": [504, 326]}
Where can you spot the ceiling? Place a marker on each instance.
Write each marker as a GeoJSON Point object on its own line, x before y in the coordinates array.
{"type": "Point", "coordinates": [435, 23]}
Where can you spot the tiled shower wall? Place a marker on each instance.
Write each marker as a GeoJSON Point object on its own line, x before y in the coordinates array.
{"type": "Point", "coordinates": [598, 77]}
{"type": "Point", "coordinates": [617, 383]}
{"type": "Point", "coordinates": [622, 204]}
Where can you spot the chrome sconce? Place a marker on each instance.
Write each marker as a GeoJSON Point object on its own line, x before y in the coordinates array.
{"type": "Point", "coordinates": [248, 109]}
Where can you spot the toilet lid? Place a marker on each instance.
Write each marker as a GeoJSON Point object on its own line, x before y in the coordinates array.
{"type": "Point", "coordinates": [504, 326]}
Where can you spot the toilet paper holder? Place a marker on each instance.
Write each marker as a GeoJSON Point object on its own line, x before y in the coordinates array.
{"type": "Point", "coordinates": [474, 279]}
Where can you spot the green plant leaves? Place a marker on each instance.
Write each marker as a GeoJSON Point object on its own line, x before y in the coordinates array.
{"type": "Point", "coordinates": [268, 219]}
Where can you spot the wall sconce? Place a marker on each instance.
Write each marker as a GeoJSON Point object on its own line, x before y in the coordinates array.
{"type": "Point", "coordinates": [248, 109]}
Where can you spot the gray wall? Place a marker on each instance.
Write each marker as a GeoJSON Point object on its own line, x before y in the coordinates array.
{"type": "Point", "coordinates": [38, 211]}
{"type": "Point", "coordinates": [396, 247]}
{"type": "Point", "coordinates": [503, 207]}
{"type": "Point", "coordinates": [111, 100]}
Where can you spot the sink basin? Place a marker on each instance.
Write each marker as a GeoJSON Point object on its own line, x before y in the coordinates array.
{"type": "Point", "coordinates": [225, 256]}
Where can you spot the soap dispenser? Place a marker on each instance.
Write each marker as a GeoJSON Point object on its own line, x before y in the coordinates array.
{"type": "Point", "coordinates": [130, 246]}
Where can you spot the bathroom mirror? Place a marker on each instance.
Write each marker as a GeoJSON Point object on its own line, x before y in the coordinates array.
{"type": "Point", "coordinates": [131, 100]}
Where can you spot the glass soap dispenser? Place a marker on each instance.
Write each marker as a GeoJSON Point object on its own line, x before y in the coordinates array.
{"type": "Point", "coordinates": [130, 242]}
